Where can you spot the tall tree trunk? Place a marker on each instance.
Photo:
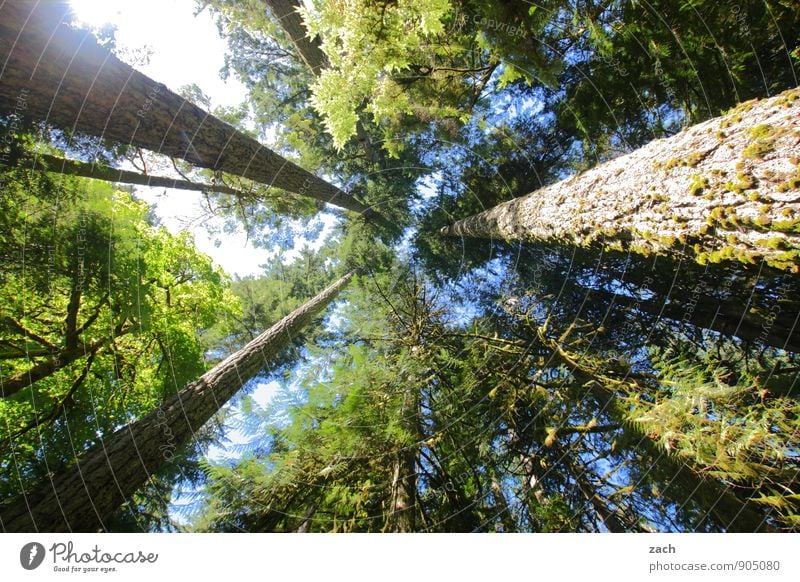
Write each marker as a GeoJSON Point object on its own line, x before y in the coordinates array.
{"type": "Point", "coordinates": [99, 171]}
{"type": "Point", "coordinates": [403, 498]}
{"type": "Point", "coordinates": [84, 496]}
{"type": "Point", "coordinates": [61, 75]}
{"type": "Point", "coordinates": [292, 23]}
{"type": "Point", "coordinates": [725, 189]}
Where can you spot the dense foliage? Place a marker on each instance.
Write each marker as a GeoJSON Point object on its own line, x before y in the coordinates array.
{"type": "Point", "coordinates": [102, 317]}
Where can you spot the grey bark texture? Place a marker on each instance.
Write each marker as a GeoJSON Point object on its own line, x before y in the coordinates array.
{"type": "Point", "coordinates": [725, 189]}
{"type": "Point", "coordinates": [84, 496]}
{"type": "Point", "coordinates": [61, 75]}
{"type": "Point", "coordinates": [292, 23]}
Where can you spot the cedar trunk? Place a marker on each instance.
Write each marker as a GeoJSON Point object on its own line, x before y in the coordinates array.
{"type": "Point", "coordinates": [725, 189]}
{"type": "Point", "coordinates": [61, 75]}
{"type": "Point", "coordinates": [84, 496]}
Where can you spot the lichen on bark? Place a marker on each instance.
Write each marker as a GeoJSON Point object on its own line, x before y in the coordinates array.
{"type": "Point", "coordinates": [724, 190]}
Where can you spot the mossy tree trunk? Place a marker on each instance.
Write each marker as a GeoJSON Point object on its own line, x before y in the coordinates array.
{"type": "Point", "coordinates": [84, 496]}
{"type": "Point", "coordinates": [725, 189]}
{"type": "Point", "coordinates": [63, 76]}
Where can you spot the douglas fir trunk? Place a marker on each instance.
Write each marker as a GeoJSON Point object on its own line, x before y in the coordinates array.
{"type": "Point", "coordinates": [84, 496]}
{"type": "Point", "coordinates": [725, 189]}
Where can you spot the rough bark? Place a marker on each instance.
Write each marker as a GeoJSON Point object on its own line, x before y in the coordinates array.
{"type": "Point", "coordinates": [84, 496]}
{"type": "Point", "coordinates": [59, 74]}
{"type": "Point", "coordinates": [725, 189]}
{"type": "Point", "coordinates": [102, 172]}
{"type": "Point", "coordinates": [292, 23]}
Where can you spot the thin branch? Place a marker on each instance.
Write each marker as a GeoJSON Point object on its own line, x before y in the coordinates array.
{"type": "Point", "coordinates": [14, 324]}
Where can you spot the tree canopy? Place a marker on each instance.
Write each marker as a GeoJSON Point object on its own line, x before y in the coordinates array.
{"type": "Point", "coordinates": [567, 299]}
